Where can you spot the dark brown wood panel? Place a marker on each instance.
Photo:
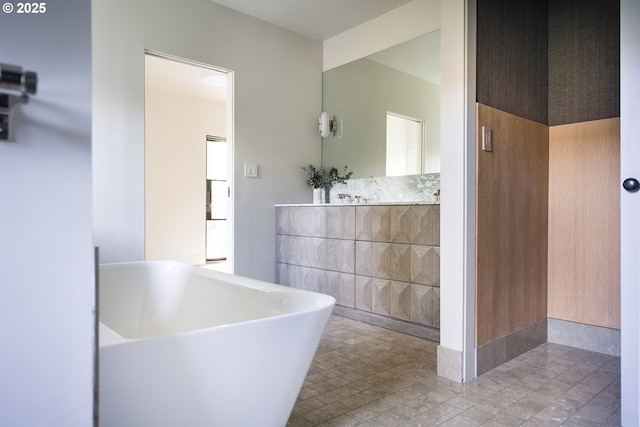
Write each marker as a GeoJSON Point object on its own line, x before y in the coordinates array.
{"type": "Point", "coordinates": [512, 232]}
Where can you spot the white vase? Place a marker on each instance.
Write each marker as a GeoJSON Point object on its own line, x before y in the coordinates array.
{"type": "Point", "coordinates": [317, 195]}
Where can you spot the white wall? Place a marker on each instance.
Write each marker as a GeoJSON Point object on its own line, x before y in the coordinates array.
{"type": "Point", "coordinates": [278, 91]}
{"type": "Point", "coordinates": [457, 177]}
{"type": "Point", "coordinates": [175, 173]}
{"type": "Point", "coordinates": [46, 251]}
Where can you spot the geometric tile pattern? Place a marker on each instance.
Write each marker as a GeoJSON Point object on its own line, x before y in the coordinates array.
{"type": "Point", "coordinates": [364, 258]}
{"type": "Point", "coordinates": [405, 263]}
{"type": "Point", "coordinates": [383, 259]}
{"type": "Point", "coordinates": [436, 307]}
{"type": "Point", "coordinates": [380, 223]}
{"type": "Point", "coordinates": [364, 224]}
{"type": "Point", "coordinates": [418, 224]}
{"type": "Point", "coordinates": [341, 286]}
{"type": "Point", "coordinates": [337, 222]}
{"type": "Point", "coordinates": [400, 300]}
{"type": "Point", "coordinates": [364, 375]}
{"type": "Point", "coordinates": [425, 265]}
{"type": "Point", "coordinates": [329, 254]}
{"type": "Point", "coordinates": [422, 304]}
{"type": "Point", "coordinates": [400, 227]}
{"type": "Point", "coordinates": [363, 297]}
{"type": "Point", "coordinates": [381, 296]}
{"type": "Point", "coordinates": [400, 263]}
{"type": "Point", "coordinates": [425, 225]}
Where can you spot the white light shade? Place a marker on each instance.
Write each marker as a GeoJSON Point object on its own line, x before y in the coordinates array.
{"type": "Point", "coordinates": [325, 124]}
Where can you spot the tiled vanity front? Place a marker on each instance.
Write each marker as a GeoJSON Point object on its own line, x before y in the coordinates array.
{"type": "Point", "coordinates": [380, 262]}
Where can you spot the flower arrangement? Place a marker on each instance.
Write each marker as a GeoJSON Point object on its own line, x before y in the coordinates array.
{"type": "Point", "coordinates": [325, 178]}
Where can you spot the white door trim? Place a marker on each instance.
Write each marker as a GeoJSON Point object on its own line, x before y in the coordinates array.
{"type": "Point", "coordinates": [630, 210]}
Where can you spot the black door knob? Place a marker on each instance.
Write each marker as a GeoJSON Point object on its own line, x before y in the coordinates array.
{"type": "Point", "coordinates": [631, 185]}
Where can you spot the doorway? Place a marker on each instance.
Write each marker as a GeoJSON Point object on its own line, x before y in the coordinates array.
{"type": "Point", "coordinates": [218, 193]}
{"type": "Point", "coordinates": [187, 102]}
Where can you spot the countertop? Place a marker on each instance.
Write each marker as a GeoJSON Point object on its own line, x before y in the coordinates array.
{"type": "Point", "coordinates": [356, 204]}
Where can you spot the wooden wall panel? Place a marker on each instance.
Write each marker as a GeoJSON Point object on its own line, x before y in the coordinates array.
{"type": "Point", "coordinates": [584, 222]}
{"type": "Point", "coordinates": [512, 196]}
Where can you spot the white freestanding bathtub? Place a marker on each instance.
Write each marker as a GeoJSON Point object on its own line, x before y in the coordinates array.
{"type": "Point", "coordinates": [187, 346]}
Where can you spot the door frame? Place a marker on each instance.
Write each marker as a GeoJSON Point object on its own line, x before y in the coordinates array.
{"type": "Point", "coordinates": [229, 264]}
{"type": "Point", "coordinates": [630, 211]}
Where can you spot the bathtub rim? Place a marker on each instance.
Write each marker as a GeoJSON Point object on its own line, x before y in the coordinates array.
{"type": "Point", "coordinates": [324, 301]}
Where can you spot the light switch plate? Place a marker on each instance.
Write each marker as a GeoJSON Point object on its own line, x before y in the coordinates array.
{"type": "Point", "coordinates": [487, 139]}
{"type": "Point", "coordinates": [251, 170]}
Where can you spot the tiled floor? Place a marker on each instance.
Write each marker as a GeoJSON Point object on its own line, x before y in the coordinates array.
{"type": "Point", "coordinates": [363, 375]}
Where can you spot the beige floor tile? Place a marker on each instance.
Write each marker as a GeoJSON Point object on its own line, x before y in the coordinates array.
{"type": "Point", "coordinates": [363, 375]}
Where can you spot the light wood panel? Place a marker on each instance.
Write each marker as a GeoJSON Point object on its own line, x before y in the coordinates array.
{"type": "Point", "coordinates": [584, 222]}
{"type": "Point", "coordinates": [512, 196]}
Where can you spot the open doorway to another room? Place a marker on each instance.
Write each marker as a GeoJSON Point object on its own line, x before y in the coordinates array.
{"type": "Point", "coordinates": [188, 197]}
{"type": "Point", "coordinates": [218, 193]}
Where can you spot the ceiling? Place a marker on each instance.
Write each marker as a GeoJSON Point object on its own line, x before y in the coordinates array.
{"type": "Point", "coordinates": [317, 19]}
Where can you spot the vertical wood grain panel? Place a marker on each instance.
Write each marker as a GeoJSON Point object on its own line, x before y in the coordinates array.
{"type": "Point", "coordinates": [512, 196]}
{"type": "Point", "coordinates": [584, 223]}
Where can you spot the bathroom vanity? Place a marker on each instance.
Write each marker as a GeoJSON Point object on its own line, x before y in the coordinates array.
{"type": "Point", "coordinates": [380, 262]}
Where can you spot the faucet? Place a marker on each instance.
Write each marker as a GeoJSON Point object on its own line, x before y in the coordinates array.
{"type": "Point", "coordinates": [344, 196]}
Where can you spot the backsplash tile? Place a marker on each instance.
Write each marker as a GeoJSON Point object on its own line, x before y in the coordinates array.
{"type": "Point", "coordinates": [403, 189]}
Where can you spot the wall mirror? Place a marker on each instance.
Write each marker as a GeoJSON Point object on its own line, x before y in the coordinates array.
{"type": "Point", "coordinates": [404, 81]}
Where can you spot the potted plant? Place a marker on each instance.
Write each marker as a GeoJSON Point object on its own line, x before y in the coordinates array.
{"type": "Point", "coordinates": [323, 179]}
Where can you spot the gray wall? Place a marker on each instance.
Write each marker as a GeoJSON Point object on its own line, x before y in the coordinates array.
{"type": "Point", "coordinates": [46, 252]}
{"type": "Point", "coordinates": [278, 83]}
